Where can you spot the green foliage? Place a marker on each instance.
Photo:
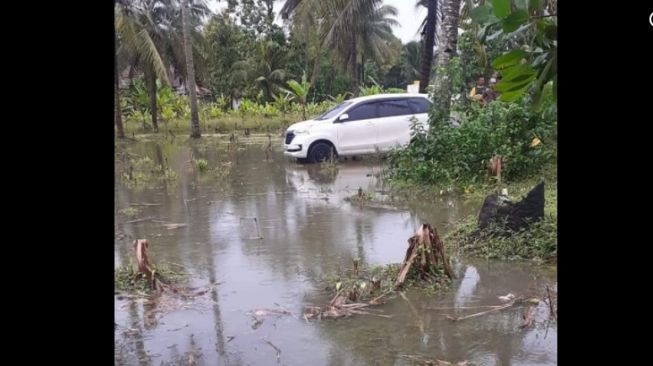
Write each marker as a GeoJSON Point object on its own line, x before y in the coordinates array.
{"type": "Point", "coordinates": [460, 155]}
{"type": "Point", "coordinates": [139, 98]}
{"type": "Point", "coordinates": [375, 88]}
{"type": "Point", "coordinates": [201, 164]}
{"type": "Point", "coordinates": [370, 90]}
{"type": "Point", "coordinates": [532, 60]}
{"type": "Point", "coordinates": [128, 280]}
{"type": "Point", "coordinates": [282, 102]}
{"type": "Point", "coordinates": [340, 97]}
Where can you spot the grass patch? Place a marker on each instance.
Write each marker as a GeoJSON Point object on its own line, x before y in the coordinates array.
{"type": "Point", "coordinates": [128, 280]}
{"type": "Point", "coordinates": [363, 282]}
{"type": "Point", "coordinates": [538, 242]}
{"type": "Point", "coordinates": [225, 124]}
{"type": "Point", "coordinates": [130, 212]}
{"type": "Point", "coordinates": [362, 196]}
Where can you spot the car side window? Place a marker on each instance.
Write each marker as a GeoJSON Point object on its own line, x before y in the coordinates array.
{"type": "Point", "coordinates": [365, 111]}
{"type": "Point", "coordinates": [419, 105]}
{"type": "Point", "coordinates": [391, 108]}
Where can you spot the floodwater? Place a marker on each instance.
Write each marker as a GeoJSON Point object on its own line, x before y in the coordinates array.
{"type": "Point", "coordinates": [266, 230]}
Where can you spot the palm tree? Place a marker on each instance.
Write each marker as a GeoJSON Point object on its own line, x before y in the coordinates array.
{"type": "Point", "coordinates": [428, 35]}
{"type": "Point", "coordinates": [190, 71]}
{"type": "Point", "coordinates": [116, 98]}
{"type": "Point", "coordinates": [167, 16]}
{"type": "Point", "coordinates": [138, 46]}
{"type": "Point", "coordinates": [411, 56]}
{"type": "Point", "coordinates": [376, 36]}
{"type": "Point", "coordinates": [307, 24]}
{"type": "Point", "coordinates": [150, 32]}
{"type": "Point", "coordinates": [447, 49]}
{"type": "Point", "coordinates": [265, 68]}
{"type": "Point", "coordinates": [352, 28]}
{"type": "Point", "coordinates": [299, 92]}
{"type": "Point", "coordinates": [289, 7]}
{"type": "Point", "coordinates": [355, 23]}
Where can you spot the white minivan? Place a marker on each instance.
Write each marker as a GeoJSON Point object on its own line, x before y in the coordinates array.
{"type": "Point", "coordinates": [359, 126]}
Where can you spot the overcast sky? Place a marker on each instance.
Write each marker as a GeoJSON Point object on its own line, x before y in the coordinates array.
{"type": "Point", "coordinates": [409, 18]}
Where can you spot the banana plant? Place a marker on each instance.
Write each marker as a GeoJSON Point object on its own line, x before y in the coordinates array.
{"type": "Point", "coordinates": [299, 91]}
{"type": "Point", "coordinates": [340, 97]}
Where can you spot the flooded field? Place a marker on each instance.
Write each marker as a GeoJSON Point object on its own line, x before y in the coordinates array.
{"type": "Point", "coordinates": [267, 230]}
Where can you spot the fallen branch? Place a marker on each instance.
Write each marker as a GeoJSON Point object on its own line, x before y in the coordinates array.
{"type": "Point", "coordinates": [275, 348]}
{"type": "Point", "coordinates": [466, 307]}
{"type": "Point", "coordinates": [264, 312]}
{"type": "Point", "coordinates": [139, 220]}
{"type": "Point", "coordinates": [178, 265]}
{"type": "Point", "coordinates": [375, 301]}
{"type": "Point", "coordinates": [427, 362]}
{"type": "Point", "coordinates": [410, 258]}
{"type": "Point", "coordinates": [174, 226]}
{"type": "Point", "coordinates": [368, 313]}
{"type": "Point", "coordinates": [145, 204]}
{"type": "Point", "coordinates": [454, 318]}
{"type": "Point", "coordinates": [553, 313]}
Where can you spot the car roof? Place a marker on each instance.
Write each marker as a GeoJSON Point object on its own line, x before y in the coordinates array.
{"type": "Point", "coordinates": [386, 96]}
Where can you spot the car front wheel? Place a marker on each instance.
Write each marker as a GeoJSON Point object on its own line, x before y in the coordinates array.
{"type": "Point", "coordinates": [320, 152]}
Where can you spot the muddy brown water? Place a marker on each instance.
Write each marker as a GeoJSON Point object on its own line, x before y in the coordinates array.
{"type": "Point", "coordinates": [308, 230]}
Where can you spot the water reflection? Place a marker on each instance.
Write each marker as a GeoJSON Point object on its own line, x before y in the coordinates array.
{"type": "Point", "coordinates": [467, 286]}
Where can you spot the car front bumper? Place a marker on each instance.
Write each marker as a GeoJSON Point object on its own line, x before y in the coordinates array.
{"type": "Point", "coordinates": [296, 146]}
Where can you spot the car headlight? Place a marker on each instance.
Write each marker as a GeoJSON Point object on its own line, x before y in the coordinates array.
{"type": "Point", "coordinates": [301, 132]}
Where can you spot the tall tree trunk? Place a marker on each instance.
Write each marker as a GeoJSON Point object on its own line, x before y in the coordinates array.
{"type": "Point", "coordinates": [269, 4]}
{"type": "Point", "coordinates": [353, 55]}
{"type": "Point", "coordinates": [429, 41]}
{"type": "Point", "coordinates": [116, 101]}
{"type": "Point", "coordinates": [190, 72]}
{"type": "Point", "coordinates": [150, 79]}
{"type": "Point", "coordinates": [449, 41]}
{"type": "Point", "coordinates": [316, 65]}
{"type": "Point", "coordinates": [362, 69]}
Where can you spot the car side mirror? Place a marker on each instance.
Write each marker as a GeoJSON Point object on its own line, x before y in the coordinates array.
{"type": "Point", "coordinates": [343, 117]}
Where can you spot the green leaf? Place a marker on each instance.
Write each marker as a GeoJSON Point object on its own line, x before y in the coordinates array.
{"type": "Point", "coordinates": [517, 84]}
{"type": "Point", "coordinates": [514, 20]}
{"type": "Point", "coordinates": [516, 71]}
{"type": "Point", "coordinates": [501, 8]}
{"type": "Point", "coordinates": [509, 59]}
{"type": "Point", "coordinates": [481, 14]}
{"type": "Point", "coordinates": [512, 96]}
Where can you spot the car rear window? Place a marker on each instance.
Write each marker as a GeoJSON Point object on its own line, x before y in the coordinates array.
{"type": "Point", "coordinates": [419, 105]}
{"type": "Point", "coordinates": [389, 108]}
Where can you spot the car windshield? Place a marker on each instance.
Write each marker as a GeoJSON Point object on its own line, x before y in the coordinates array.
{"type": "Point", "coordinates": [334, 111]}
